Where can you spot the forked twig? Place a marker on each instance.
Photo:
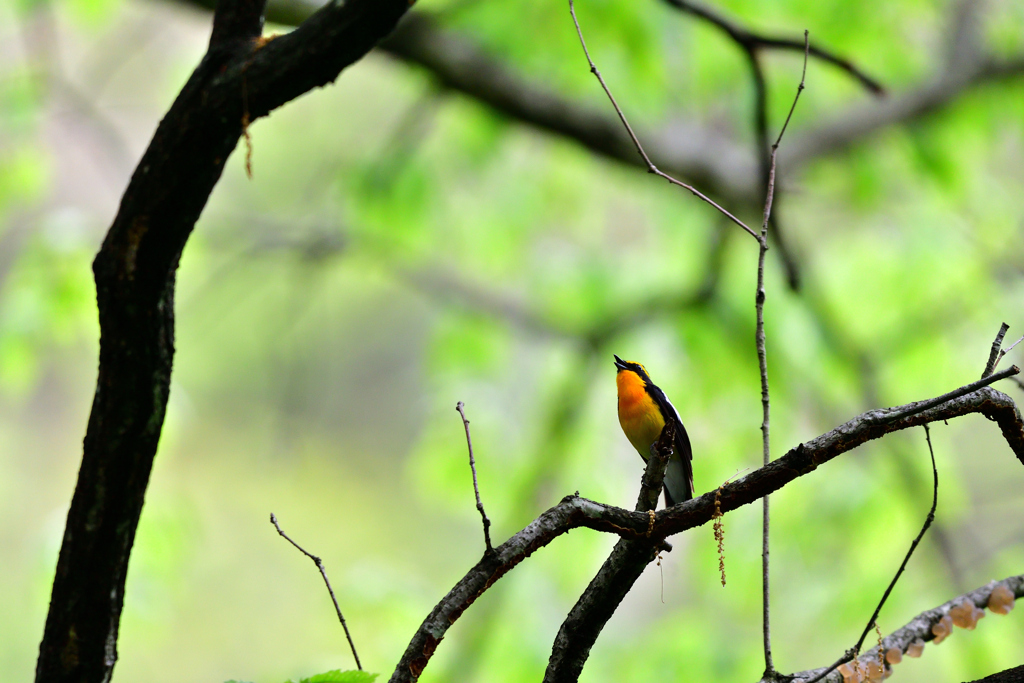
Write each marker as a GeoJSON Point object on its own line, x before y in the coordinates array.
{"type": "Point", "coordinates": [852, 653]}
{"type": "Point", "coordinates": [323, 572]}
{"type": "Point", "coordinates": [476, 489]}
{"type": "Point", "coordinates": [651, 168]}
{"type": "Point", "coordinates": [1005, 351]}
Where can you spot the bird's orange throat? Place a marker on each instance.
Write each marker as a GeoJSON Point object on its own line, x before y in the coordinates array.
{"type": "Point", "coordinates": [631, 391]}
{"type": "Point", "coordinates": [639, 415]}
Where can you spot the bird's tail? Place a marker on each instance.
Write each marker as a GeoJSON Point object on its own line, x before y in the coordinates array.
{"type": "Point", "coordinates": [678, 486]}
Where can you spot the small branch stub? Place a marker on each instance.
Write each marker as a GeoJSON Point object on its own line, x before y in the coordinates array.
{"type": "Point", "coordinates": [460, 406]}
{"type": "Point", "coordinates": [994, 355]}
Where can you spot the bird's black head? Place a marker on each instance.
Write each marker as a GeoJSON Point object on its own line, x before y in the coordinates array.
{"type": "Point", "coordinates": [632, 366]}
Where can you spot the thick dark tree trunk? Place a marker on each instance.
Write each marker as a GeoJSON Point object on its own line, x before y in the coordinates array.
{"type": "Point", "coordinates": [240, 78]}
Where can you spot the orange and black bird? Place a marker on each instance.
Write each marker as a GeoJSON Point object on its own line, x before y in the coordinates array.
{"type": "Point", "coordinates": [643, 408]}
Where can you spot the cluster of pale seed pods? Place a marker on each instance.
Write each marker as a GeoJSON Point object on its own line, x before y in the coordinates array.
{"type": "Point", "coordinates": [964, 614]}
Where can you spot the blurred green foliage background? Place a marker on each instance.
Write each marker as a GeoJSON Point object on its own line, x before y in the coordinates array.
{"type": "Point", "coordinates": [402, 247]}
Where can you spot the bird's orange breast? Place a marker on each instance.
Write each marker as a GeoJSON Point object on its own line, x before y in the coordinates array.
{"type": "Point", "coordinates": [639, 415]}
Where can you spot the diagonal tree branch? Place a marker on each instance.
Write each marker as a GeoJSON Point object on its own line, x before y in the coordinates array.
{"type": "Point", "coordinates": [239, 79]}
{"type": "Point", "coordinates": [574, 512]}
{"type": "Point", "coordinates": [752, 41]}
{"type": "Point", "coordinates": [707, 159]}
{"type": "Point", "coordinates": [920, 627]}
{"type": "Point", "coordinates": [752, 44]}
{"type": "Point", "coordinates": [614, 579]}
{"type": "Point", "coordinates": [994, 354]}
{"type": "Point", "coordinates": [725, 169]}
{"type": "Point", "coordinates": [965, 65]}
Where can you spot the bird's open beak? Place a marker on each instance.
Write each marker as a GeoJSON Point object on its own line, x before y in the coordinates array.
{"type": "Point", "coordinates": [619, 363]}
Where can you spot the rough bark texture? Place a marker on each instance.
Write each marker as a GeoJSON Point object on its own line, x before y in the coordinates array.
{"type": "Point", "coordinates": [570, 513]}
{"type": "Point", "coordinates": [595, 607]}
{"type": "Point", "coordinates": [920, 628]}
{"type": "Point", "coordinates": [1015, 675]}
{"type": "Point", "coordinates": [624, 565]}
{"type": "Point", "coordinates": [135, 277]}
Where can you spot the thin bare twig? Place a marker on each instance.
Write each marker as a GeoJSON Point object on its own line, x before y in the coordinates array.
{"type": "Point", "coordinates": [993, 355]}
{"type": "Point", "coordinates": [651, 168]}
{"type": "Point", "coordinates": [762, 357]}
{"type": "Point", "coordinates": [799, 89]}
{"type": "Point", "coordinates": [476, 489]}
{"type": "Point", "coordinates": [762, 151]}
{"type": "Point", "coordinates": [1005, 351]}
{"type": "Point", "coordinates": [892, 415]}
{"type": "Point", "coordinates": [852, 653]}
{"type": "Point", "coordinates": [323, 572]}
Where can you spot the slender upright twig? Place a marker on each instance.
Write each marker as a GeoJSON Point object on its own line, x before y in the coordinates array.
{"type": "Point", "coordinates": [323, 572]}
{"type": "Point", "coordinates": [994, 355]}
{"type": "Point", "coordinates": [651, 168]}
{"type": "Point", "coordinates": [476, 488]}
{"type": "Point", "coordinates": [762, 357]}
{"type": "Point", "coordinates": [850, 654]}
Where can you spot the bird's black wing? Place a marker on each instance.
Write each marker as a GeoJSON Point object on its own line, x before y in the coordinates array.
{"type": "Point", "coordinates": [676, 491]}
